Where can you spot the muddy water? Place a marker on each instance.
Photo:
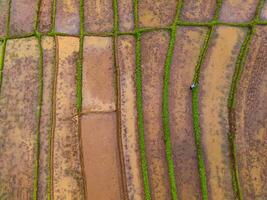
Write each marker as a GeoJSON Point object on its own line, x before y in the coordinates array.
{"type": "Point", "coordinates": [45, 23]}
{"type": "Point", "coordinates": [18, 107]}
{"type": "Point", "coordinates": [186, 52]}
{"type": "Point", "coordinates": [251, 120]}
{"type": "Point", "coordinates": [99, 76]}
{"type": "Point", "coordinates": [68, 17]}
{"type": "Point", "coordinates": [201, 10]}
{"type": "Point", "coordinates": [156, 14]}
{"type": "Point", "coordinates": [101, 156]}
{"type": "Point", "coordinates": [48, 46]}
{"type": "Point", "coordinates": [153, 50]}
{"type": "Point", "coordinates": [129, 130]}
{"type": "Point", "coordinates": [215, 81]}
{"type": "Point", "coordinates": [98, 15]}
{"type": "Point", "coordinates": [238, 10]}
{"type": "Point", "coordinates": [67, 176]}
{"type": "Point", "coordinates": [22, 11]}
{"type": "Point", "coordinates": [126, 15]}
{"type": "Point", "coordinates": [3, 17]}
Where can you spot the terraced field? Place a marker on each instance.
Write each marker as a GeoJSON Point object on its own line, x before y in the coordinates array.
{"type": "Point", "coordinates": [95, 99]}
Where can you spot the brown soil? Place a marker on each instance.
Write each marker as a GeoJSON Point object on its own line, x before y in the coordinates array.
{"type": "Point", "coordinates": [154, 49]}
{"type": "Point", "coordinates": [201, 10]}
{"type": "Point", "coordinates": [22, 16]}
{"type": "Point", "coordinates": [45, 23]}
{"type": "Point", "coordinates": [251, 120]}
{"type": "Point", "coordinates": [156, 14]}
{"type": "Point", "coordinates": [18, 108]}
{"type": "Point", "coordinates": [67, 176]}
{"type": "Point", "coordinates": [129, 130]}
{"type": "Point", "coordinates": [126, 15]}
{"type": "Point", "coordinates": [98, 15]}
{"type": "Point", "coordinates": [3, 17]}
{"type": "Point", "coordinates": [101, 156]}
{"type": "Point", "coordinates": [215, 83]}
{"type": "Point", "coordinates": [68, 17]}
{"type": "Point", "coordinates": [187, 48]}
{"type": "Point", "coordinates": [238, 10]}
{"type": "Point", "coordinates": [98, 75]}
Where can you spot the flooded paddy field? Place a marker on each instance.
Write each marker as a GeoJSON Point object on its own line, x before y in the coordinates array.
{"type": "Point", "coordinates": [133, 100]}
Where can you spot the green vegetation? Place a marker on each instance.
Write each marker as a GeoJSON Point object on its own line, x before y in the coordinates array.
{"type": "Point", "coordinates": [231, 99]}
{"type": "Point", "coordinates": [196, 121]}
{"type": "Point", "coordinates": [2, 58]}
{"type": "Point", "coordinates": [38, 118]}
{"type": "Point", "coordinates": [195, 92]}
{"type": "Point", "coordinates": [195, 106]}
{"type": "Point", "coordinates": [53, 16]}
{"type": "Point", "coordinates": [139, 105]}
{"type": "Point", "coordinates": [165, 104]}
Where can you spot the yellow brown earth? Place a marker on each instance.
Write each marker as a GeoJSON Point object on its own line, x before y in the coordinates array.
{"type": "Point", "coordinates": [133, 100]}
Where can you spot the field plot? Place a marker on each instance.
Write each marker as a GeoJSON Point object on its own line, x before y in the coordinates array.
{"type": "Point", "coordinates": [158, 14]}
{"type": "Point", "coordinates": [188, 44]}
{"type": "Point", "coordinates": [128, 113]}
{"type": "Point", "coordinates": [21, 11]}
{"type": "Point", "coordinates": [215, 81]}
{"type": "Point", "coordinates": [67, 16]}
{"type": "Point", "coordinates": [133, 100]}
{"type": "Point", "coordinates": [251, 119]}
{"type": "Point", "coordinates": [67, 173]}
{"type": "Point", "coordinates": [18, 119]}
{"type": "Point", "coordinates": [238, 10]}
{"type": "Point", "coordinates": [154, 49]}
{"type": "Point", "coordinates": [200, 11]}
{"type": "Point", "coordinates": [98, 16]}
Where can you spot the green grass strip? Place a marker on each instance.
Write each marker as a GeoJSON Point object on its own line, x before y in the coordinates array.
{"type": "Point", "coordinates": [37, 16]}
{"type": "Point", "coordinates": [165, 104]}
{"type": "Point", "coordinates": [79, 84]}
{"type": "Point", "coordinates": [139, 105]}
{"type": "Point", "coordinates": [141, 130]}
{"type": "Point", "coordinates": [38, 118]}
{"type": "Point", "coordinates": [2, 58]}
{"type": "Point", "coordinates": [238, 68]}
{"type": "Point", "coordinates": [196, 121]}
{"type": "Point", "coordinates": [53, 15]}
{"type": "Point", "coordinates": [231, 102]}
{"type": "Point", "coordinates": [4, 43]}
{"type": "Point", "coordinates": [79, 76]}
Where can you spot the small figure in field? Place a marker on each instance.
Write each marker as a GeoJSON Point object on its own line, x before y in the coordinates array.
{"type": "Point", "coordinates": [192, 86]}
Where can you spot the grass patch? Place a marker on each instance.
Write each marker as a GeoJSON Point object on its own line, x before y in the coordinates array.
{"type": "Point", "coordinates": [196, 121]}
{"type": "Point", "coordinates": [38, 118]}
{"type": "Point", "coordinates": [2, 58]}
{"type": "Point", "coordinates": [139, 105]}
{"type": "Point", "coordinates": [165, 104]}
{"type": "Point", "coordinates": [200, 156]}
{"type": "Point", "coordinates": [195, 106]}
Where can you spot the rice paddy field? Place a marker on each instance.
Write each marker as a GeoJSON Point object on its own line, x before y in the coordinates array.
{"type": "Point", "coordinates": [133, 100]}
